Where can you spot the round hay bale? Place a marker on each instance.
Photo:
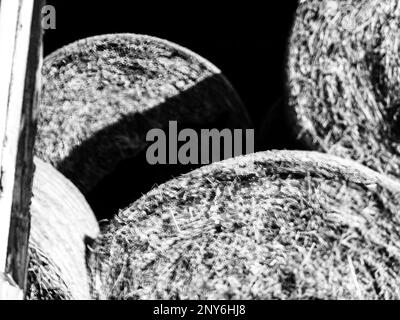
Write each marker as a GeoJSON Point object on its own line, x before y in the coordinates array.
{"type": "Point", "coordinates": [102, 95]}
{"type": "Point", "coordinates": [62, 225]}
{"type": "Point", "coordinates": [273, 225]}
{"type": "Point", "coordinates": [344, 75]}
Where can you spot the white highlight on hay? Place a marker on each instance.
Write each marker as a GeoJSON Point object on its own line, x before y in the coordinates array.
{"type": "Point", "coordinates": [61, 219]}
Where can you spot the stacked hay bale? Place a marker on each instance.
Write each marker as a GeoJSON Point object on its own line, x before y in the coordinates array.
{"type": "Point", "coordinates": [344, 75]}
{"type": "Point", "coordinates": [287, 225]}
{"type": "Point", "coordinates": [62, 226]}
{"type": "Point", "coordinates": [102, 95]}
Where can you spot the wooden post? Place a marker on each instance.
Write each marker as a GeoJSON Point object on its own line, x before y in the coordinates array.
{"type": "Point", "coordinates": [20, 60]}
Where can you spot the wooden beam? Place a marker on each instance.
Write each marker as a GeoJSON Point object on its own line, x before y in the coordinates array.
{"type": "Point", "coordinates": [20, 60]}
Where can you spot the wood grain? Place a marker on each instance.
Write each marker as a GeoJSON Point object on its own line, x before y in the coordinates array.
{"type": "Point", "coordinates": [20, 59]}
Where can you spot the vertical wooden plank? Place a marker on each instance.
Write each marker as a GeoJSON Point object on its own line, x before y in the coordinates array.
{"type": "Point", "coordinates": [20, 58]}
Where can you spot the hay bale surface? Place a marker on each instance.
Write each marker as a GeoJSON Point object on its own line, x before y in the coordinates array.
{"type": "Point", "coordinates": [62, 223]}
{"type": "Point", "coordinates": [102, 95]}
{"type": "Point", "coordinates": [344, 75]}
{"type": "Point", "coordinates": [273, 225]}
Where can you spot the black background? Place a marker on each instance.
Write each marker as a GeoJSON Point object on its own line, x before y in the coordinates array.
{"type": "Point", "coordinates": [254, 309]}
{"type": "Point", "coordinates": [247, 40]}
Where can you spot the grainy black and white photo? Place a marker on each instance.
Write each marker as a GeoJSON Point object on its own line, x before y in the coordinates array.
{"type": "Point", "coordinates": [200, 152]}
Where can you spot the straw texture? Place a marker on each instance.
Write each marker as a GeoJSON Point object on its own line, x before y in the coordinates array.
{"type": "Point", "coordinates": [102, 95]}
{"type": "Point", "coordinates": [344, 73]}
{"type": "Point", "coordinates": [62, 226]}
{"type": "Point", "coordinates": [272, 225]}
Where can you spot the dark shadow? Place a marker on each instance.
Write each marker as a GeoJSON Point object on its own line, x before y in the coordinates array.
{"type": "Point", "coordinates": [129, 181]}
{"type": "Point", "coordinates": [134, 176]}
{"type": "Point", "coordinates": [277, 132]}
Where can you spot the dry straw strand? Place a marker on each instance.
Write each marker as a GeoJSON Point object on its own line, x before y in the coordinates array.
{"type": "Point", "coordinates": [344, 73]}
{"type": "Point", "coordinates": [102, 95]}
{"type": "Point", "coordinates": [62, 227]}
{"type": "Point", "coordinates": [272, 225]}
